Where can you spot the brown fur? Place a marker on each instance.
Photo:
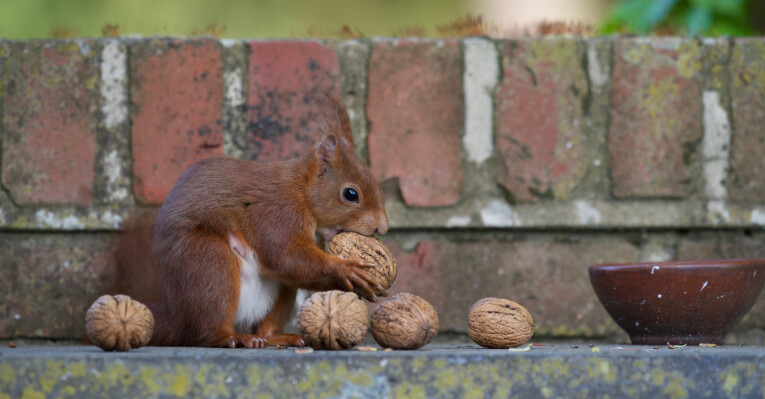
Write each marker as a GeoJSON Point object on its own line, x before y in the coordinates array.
{"type": "Point", "coordinates": [137, 272]}
{"type": "Point", "coordinates": [276, 209]}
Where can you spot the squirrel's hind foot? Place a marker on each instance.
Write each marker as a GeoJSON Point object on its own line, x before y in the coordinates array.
{"type": "Point", "coordinates": [248, 341]}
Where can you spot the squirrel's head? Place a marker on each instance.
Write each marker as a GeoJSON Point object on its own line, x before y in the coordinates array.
{"type": "Point", "coordinates": [347, 196]}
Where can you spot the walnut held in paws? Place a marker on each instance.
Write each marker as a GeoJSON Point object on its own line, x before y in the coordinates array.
{"type": "Point", "coordinates": [499, 323]}
{"type": "Point", "coordinates": [405, 321]}
{"type": "Point", "coordinates": [332, 320]}
{"type": "Point", "coordinates": [119, 323]}
{"type": "Point", "coordinates": [368, 250]}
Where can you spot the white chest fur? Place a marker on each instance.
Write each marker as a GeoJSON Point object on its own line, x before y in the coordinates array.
{"type": "Point", "coordinates": [257, 293]}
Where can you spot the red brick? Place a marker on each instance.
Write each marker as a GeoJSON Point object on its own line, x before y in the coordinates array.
{"type": "Point", "coordinates": [655, 116]}
{"type": "Point", "coordinates": [177, 95]}
{"type": "Point", "coordinates": [49, 123]}
{"type": "Point", "coordinates": [286, 78]}
{"type": "Point", "coordinates": [416, 117]}
{"type": "Point", "coordinates": [540, 118]}
{"type": "Point", "coordinates": [547, 276]}
{"type": "Point", "coordinates": [50, 281]}
{"type": "Point", "coordinates": [747, 182]}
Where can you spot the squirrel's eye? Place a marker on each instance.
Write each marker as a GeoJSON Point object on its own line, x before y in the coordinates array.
{"type": "Point", "coordinates": [351, 195]}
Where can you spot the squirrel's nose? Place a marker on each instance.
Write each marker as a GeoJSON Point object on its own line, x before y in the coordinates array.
{"type": "Point", "coordinates": [382, 226]}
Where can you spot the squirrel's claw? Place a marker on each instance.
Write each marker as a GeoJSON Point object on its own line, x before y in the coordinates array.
{"type": "Point", "coordinates": [363, 285]}
{"type": "Point", "coordinates": [246, 340]}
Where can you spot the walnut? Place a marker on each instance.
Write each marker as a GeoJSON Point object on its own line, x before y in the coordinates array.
{"type": "Point", "coordinates": [332, 320]}
{"type": "Point", "coordinates": [499, 323]}
{"type": "Point", "coordinates": [118, 322]}
{"type": "Point", "coordinates": [405, 321]}
{"type": "Point", "coordinates": [368, 250]}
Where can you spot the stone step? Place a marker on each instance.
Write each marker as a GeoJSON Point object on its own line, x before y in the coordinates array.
{"type": "Point", "coordinates": [438, 370]}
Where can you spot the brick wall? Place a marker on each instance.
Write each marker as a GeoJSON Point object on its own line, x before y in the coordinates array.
{"type": "Point", "coordinates": [509, 165]}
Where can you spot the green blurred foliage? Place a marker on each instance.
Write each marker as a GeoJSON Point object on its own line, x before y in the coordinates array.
{"type": "Point", "coordinates": [25, 19]}
{"type": "Point", "coordinates": [691, 17]}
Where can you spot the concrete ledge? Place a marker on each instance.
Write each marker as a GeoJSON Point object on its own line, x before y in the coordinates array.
{"type": "Point", "coordinates": [439, 370]}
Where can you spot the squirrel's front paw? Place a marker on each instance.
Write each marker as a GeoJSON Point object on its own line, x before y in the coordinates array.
{"type": "Point", "coordinates": [353, 277]}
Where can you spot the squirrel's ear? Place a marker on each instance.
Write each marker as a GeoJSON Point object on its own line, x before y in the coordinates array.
{"type": "Point", "coordinates": [336, 118]}
{"type": "Point", "coordinates": [347, 143]}
{"type": "Point", "coordinates": [326, 151]}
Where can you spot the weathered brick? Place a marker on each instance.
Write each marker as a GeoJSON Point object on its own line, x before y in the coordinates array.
{"type": "Point", "coordinates": [597, 183]}
{"type": "Point", "coordinates": [354, 63]}
{"type": "Point", "coordinates": [49, 282]}
{"type": "Point", "coordinates": [235, 137]}
{"type": "Point", "coordinates": [747, 182]}
{"type": "Point", "coordinates": [50, 102]}
{"type": "Point", "coordinates": [548, 276]}
{"type": "Point", "coordinates": [698, 248]}
{"type": "Point", "coordinates": [540, 117]}
{"type": "Point", "coordinates": [114, 183]}
{"type": "Point", "coordinates": [177, 96]}
{"type": "Point", "coordinates": [416, 117]}
{"type": "Point", "coordinates": [655, 116]}
{"type": "Point", "coordinates": [286, 78]}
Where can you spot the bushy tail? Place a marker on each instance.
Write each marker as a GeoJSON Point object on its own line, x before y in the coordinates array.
{"type": "Point", "coordinates": [137, 272]}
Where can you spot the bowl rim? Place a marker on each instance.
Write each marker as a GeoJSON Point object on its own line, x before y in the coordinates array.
{"type": "Point", "coordinates": [682, 264]}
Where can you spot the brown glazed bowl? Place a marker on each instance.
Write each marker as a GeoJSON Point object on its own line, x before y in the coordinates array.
{"type": "Point", "coordinates": [689, 302]}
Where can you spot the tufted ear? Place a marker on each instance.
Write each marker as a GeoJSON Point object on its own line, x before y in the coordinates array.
{"type": "Point", "coordinates": [326, 151]}
{"type": "Point", "coordinates": [336, 119]}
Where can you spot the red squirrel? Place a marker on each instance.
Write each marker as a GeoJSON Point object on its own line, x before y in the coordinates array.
{"type": "Point", "coordinates": [235, 239]}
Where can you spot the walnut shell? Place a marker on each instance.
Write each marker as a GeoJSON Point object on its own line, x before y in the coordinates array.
{"type": "Point", "coordinates": [369, 250]}
{"type": "Point", "coordinates": [499, 323]}
{"type": "Point", "coordinates": [405, 321]}
{"type": "Point", "coordinates": [118, 322]}
{"type": "Point", "coordinates": [332, 320]}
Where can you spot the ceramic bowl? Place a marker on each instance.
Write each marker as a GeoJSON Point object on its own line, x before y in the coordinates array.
{"type": "Point", "coordinates": [689, 302]}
